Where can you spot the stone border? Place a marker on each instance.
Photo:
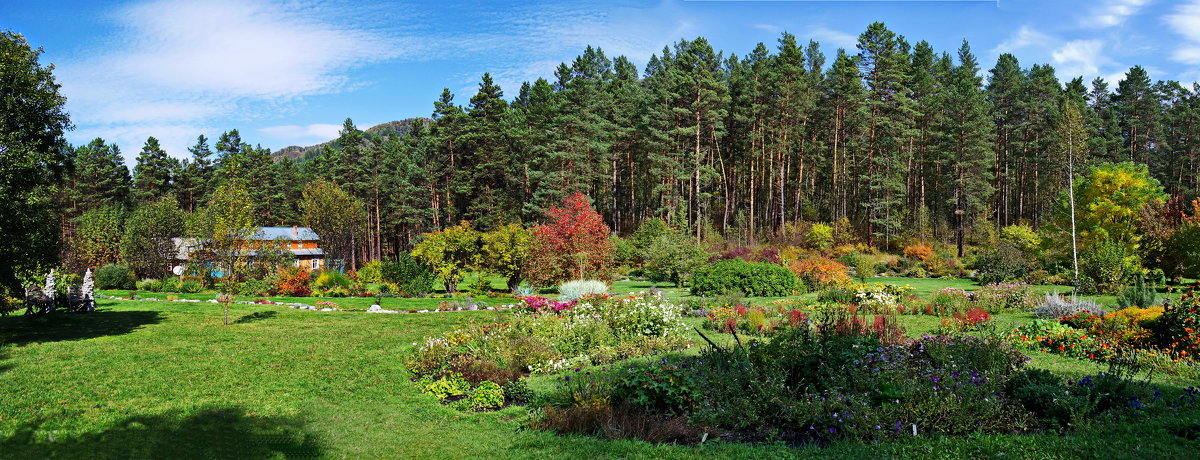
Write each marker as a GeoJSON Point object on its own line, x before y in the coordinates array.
{"type": "Point", "coordinates": [302, 306]}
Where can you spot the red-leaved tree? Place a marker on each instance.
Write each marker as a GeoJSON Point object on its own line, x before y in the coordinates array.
{"type": "Point", "coordinates": [574, 244]}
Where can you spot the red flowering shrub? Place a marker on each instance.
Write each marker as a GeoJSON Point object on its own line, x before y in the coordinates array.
{"type": "Point", "coordinates": [574, 244]}
{"type": "Point", "coordinates": [293, 282]}
{"type": "Point", "coordinates": [973, 319]}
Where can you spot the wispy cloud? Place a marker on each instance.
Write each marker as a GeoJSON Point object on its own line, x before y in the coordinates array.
{"type": "Point", "coordinates": [836, 38]}
{"type": "Point", "coordinates": [180, 63]}
{"type": "Point", "coordinates": [319, 132]}
{"type": "Point", "coordinates": [1023, 37]}
{"type": "Point", "coordinates": [1185, 21]}
{"type": "Point", "coordinates": [1109, 13]}
{"type": "Point", "coordinates": [1080, 57]}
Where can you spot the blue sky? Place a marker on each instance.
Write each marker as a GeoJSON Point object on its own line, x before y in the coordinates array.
{"type": "Point", "coordinates": [287, 72]}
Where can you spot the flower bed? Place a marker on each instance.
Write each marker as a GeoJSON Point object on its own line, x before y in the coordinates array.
{"type": "Point", "coordinates": [544, 336]}
{"type": "Point", "coordinates": [834, 378]}
{"type": "Point", "coordinates": [1153, 336]}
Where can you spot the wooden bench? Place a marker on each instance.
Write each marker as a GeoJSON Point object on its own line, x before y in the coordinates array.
{"type": "Point", "coordinates": [37, 302]}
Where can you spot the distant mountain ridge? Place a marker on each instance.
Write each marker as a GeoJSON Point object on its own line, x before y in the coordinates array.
{"type": "Point", "coordinates": [380, 132]}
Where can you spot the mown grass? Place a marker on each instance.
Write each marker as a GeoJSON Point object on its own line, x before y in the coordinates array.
{"type": "Point", "coordinates": [144, 379]}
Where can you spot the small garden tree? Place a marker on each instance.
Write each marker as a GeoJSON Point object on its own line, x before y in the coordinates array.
{"type": "Point", "coordinates": [449, 253]}
{"type": "Point", "coordinates": [336, 216]}
{"type": "Point", "coordinates": [574, 243]}
{"type": "Point", "coordinates": [504, 251]}
{"type": "Point", "coordinates": [227, 225]}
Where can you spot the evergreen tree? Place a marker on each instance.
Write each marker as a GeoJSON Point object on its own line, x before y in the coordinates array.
{"type": "Point", "coordinates": [101, 178]}
{"type": "Point", "coordinates": [966, 130]}
{"type": "Point", "coordinates": [152, 174]}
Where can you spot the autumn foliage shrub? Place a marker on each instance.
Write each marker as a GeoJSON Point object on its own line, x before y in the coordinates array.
{"type": "Point", "coordinates": [820, 272]}
{"type": "Point", "coordinates": [293, 282]}
{"type": "Point", "coordinates": [574, 244]}
{"type": "Point", "coordinates": [921, 252]}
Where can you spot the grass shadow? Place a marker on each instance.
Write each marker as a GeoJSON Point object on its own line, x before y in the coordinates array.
{"type": "Point", "coordinates": [256, 316]}
{"type": "Point", "coordinates": [21, 330]}
{"type": "Point", "coordinates": [215, 432]}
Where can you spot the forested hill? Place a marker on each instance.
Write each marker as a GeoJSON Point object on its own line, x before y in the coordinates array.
{"type": "Point", "coordinates": [382, 131]}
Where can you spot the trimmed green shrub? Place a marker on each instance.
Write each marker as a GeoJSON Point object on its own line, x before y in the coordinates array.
{"type": "Point", "coordinates": [1006, 262]}
{"type": "Point", "coordinates": [757, 279]}
{"type": "Point", "coordinates": [255, 288]}
{"type": "Point", "coordinates": [114, 276]}
{"type": "Point", "coordinates": [411, 277]}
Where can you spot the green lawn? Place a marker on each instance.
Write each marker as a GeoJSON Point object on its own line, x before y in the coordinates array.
{"type": "Point", "coordinates": [143, 379]}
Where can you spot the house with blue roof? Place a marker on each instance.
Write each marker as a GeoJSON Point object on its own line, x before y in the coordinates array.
{"type": "Point", "coordinates": [302, 242]}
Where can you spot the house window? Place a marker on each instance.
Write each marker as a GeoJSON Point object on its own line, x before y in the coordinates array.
{"type": "Point", "coordinates": [314, 264]}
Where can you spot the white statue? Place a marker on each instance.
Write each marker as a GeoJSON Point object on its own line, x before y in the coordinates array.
{"type": "Point", "coordinates": [88, 291]}
{"type": "Point", "coordinates": [50, 288]}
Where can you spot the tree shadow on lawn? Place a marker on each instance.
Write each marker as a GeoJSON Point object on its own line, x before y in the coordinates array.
{"type": "Point", "coordinates": [22, 330]}
{"type": "Point", "coordinates": [256, 316]}
{"type": "Point", "coordinates": [215, 432]}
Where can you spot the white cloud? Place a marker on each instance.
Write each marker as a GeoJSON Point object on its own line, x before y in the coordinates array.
{"type": "Point", "coordinates": [1111, 13]}
{"type": "Point", "coordinates": [1185, 20]}
{"type": "Point", "coordinates": [176, 64]}
{"type": "Point", "coordinates": [1023, 37]}
{"type": "Point", "coordinates": [319, 131]}
{"type": "Point", "coordinates": [838, 39]}
{"type": "Point", "coordinates": [767, 27]}
{"type": "Point", "coordinates": [1080, 57]}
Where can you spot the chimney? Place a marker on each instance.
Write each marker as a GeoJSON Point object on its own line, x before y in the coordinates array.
{"type": "Point", "coordinates": [295, 232]}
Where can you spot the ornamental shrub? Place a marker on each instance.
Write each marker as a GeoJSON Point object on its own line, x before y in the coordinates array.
{"type": "Point", "coordinates": [488, 395]}
{"type": "Point", "coordinates": [1109, 264]}
{"type": "Point", "coordinates": [573, 244]}
{"type": "Point", "coordinates": [1054, 306]}
{"type": "Point", "coordinates": [819, 272]}
{"type": "Point", "coordinates": [411, 277]}
{"type": "Point", "coordinates": [1002, 297]}
{"type": "Point", "coordinates": [293, 282]}
{"type": "Point", "coordinates": [757, 279]}
{"type": "Point", "coordinates": [1006, 262]}
{"type": "Point", "coordinates": [948, 301]}
{"type": "Point", "coordinates": [114, 276]}
{"type": "Point", "coordinates": [572, 290]}
{"type": "Point", "coordinates": [1138, 295]}
{"type": "Point", "coordinates": [193, 286]}
{"type": "Point", "coordinates": [149, 284]}
{"type": "Point", "coordinates": [255, 288]}
{"type": "Point", "coordinates": [1178, 329]}
{"type": "Point", "coordinates": [331, 279]}
{"type": "Point", "coordinates": [864, 265]}
{"type": "Point", "coordinates": [370, 272]}
{"type": "Point", "coordinates": [921, 252]}
{"type": "Point", "coordinates": [820, 237]}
